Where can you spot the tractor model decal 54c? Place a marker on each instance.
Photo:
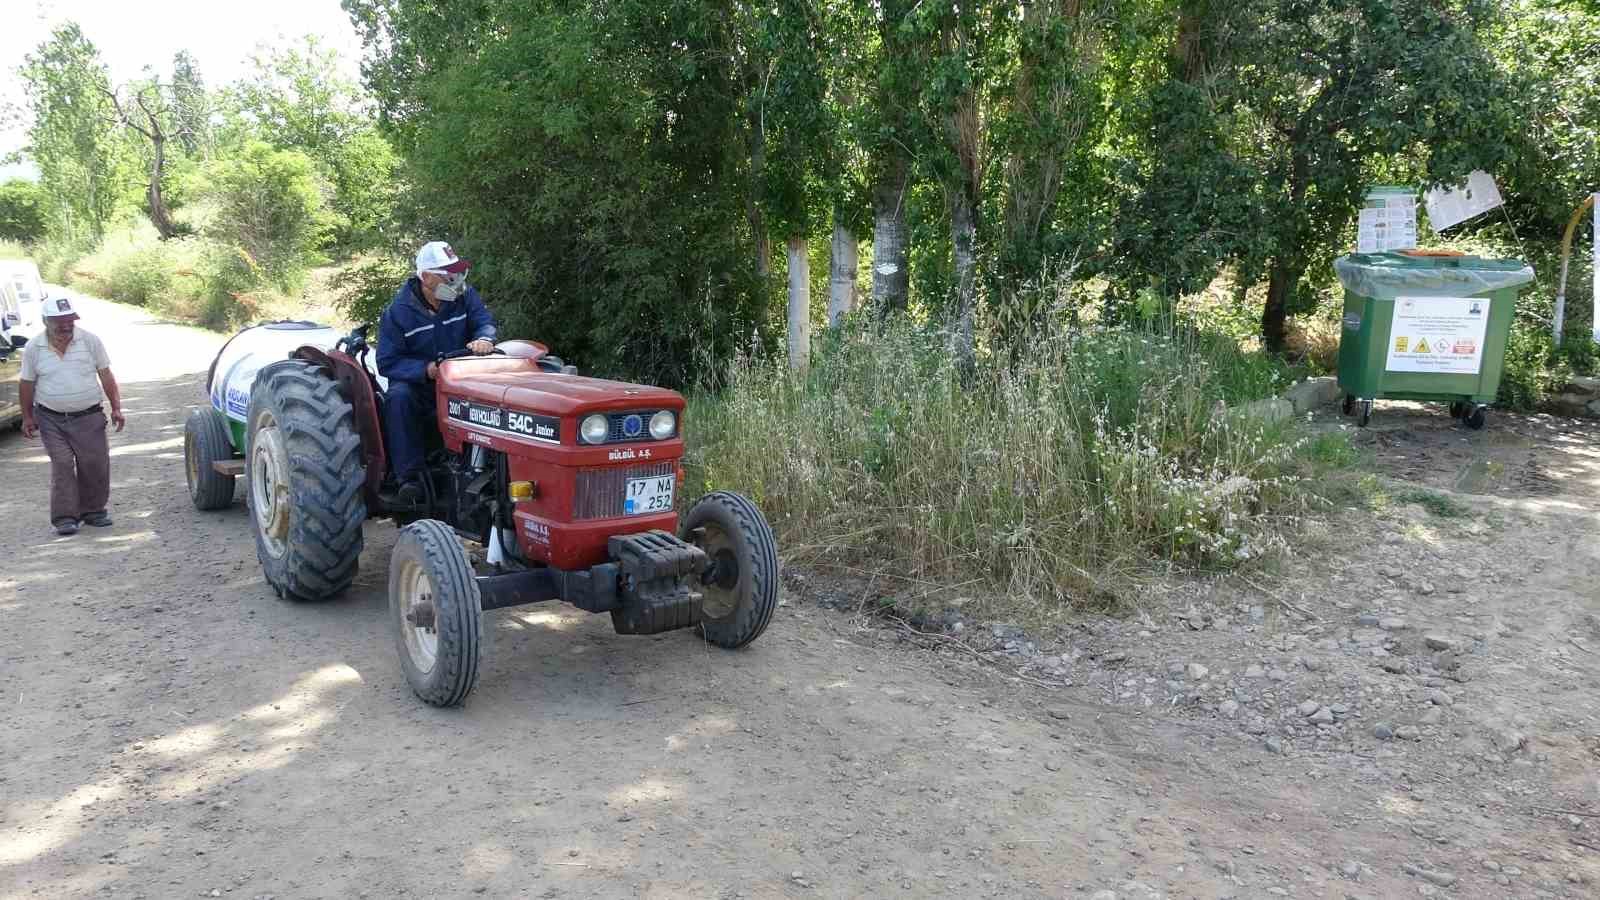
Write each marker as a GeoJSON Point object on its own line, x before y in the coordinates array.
{"type": "Point", "coordinates": [540, 428]}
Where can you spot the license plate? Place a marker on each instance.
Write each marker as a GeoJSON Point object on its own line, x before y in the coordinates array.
{"type": "Point", "coordinates": [648, 495]}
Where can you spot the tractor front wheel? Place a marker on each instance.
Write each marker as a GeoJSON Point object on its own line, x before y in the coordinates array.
{"type": "Point", "coordinates": [205, 441]}
{"type": "Point", "coordinates": [437, 612]}
{"type": "Point", "coordinates": [303, 457]}
{"type": "Point", "coordinates": [741, 588]}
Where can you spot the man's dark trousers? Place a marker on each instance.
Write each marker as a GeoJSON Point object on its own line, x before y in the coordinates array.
{"type": "Point", "coordinates": [80, 462]}
{"type": "Point", "coordinates": [408, 410]}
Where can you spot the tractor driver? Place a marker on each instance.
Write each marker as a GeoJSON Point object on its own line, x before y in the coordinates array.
{"type": "Point", "coordinates": [434, 312]}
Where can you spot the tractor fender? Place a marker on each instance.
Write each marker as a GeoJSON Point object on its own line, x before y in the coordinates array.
{"type": "Point", "coordinates": [356, 384]}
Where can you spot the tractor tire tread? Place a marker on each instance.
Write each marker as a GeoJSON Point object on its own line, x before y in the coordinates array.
{"type": "Point", "coordinates": [750, 619]}
{"type": "Point", "coordinates": [206, 436]}
{"type": "Point", "coordinates": [459, 622]}
{"type": "Point", "coordinates": [325, 480]}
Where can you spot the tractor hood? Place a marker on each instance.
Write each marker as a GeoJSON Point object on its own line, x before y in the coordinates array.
{"type": "Point", "coordinates": [518, 384]}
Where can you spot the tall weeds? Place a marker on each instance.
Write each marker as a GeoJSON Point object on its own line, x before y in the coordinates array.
{"type": "Point", "coordinates": [1054, 477]}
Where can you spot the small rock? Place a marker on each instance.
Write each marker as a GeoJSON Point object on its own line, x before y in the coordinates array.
{"type": "Point", "coordinates": [1440, 698]}
{"type": "Point", "coordinates": [1509, 741]}
{"type": "Point", "coordinates": [1432, 717]}
{"type": "Point", "coordinates": [1255, 671]}
{"type": "Point", "coordinates": [1432, 876]}
{"type": "Point", "coordinates": [1396, 666]}
{"type": "Point", "coordinates": [1278, 675]}
{"type": "Point", "coordinates": [1274, 744]}
{"type": "Point", "coordinates": [1312, 665]}
{"type": "Point", "coordinates": [1197, 671]}
{"type": "Point", "coordinates": [1491, 865]}
{"type": "Point", "coordinates": [1103, 895]}
{"type": "Point", "coordinates": [1408, 733]}
{"type": "Point", "coordinates": [1383, 731]}
{"type": "Point", "coordinates": [1439, 642]}
{"type": "Point", "coordinates": [1350, 869]}
{"type": "Point", "coordinates": [1309, 708]}
{"type": "Point", "coordinates": [1115, 656]}
{"type": "Point", "coordinates": [1229, 708]}
{"type": "Point", "coordinates": [1060, 712]}
{"type": "Point", "coordinates": [1392, 623]}
{"type": "Point", "coordinates": [1323, 716]}
{"type": "Point", "coordinates": [1367, 620]}
{"type": "Point", "coordinates": [1052, 766]}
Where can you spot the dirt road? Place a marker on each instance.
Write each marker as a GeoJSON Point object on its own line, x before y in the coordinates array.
{"type": "Point", "coordinates": [172, 729]}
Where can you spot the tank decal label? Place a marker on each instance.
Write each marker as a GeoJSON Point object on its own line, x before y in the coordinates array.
{"type": "Point", "coordinates": [529, 425]}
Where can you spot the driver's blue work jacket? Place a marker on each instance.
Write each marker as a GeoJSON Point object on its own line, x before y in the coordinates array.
{"type": "Point", "coordinates": [410, 335]}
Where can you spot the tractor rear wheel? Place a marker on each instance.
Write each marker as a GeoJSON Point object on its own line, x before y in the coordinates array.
{"type": "Point", "coordinates": [741, 590]}
{"type": "Point", "coordinates": [205, 441]}
{"type": "Point", "coordinates": [303, 457]}
{"type": "Point", "coordinates": [437, 612]}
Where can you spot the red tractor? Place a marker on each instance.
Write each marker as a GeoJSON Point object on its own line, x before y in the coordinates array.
{"type": "Point", "coordinates": [568, 482]}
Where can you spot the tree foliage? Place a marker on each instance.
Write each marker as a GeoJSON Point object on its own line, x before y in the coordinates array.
{"type": "Point", "coordinates": [83, 166]}
{"type": "Point", "coordinates": [22, 209]}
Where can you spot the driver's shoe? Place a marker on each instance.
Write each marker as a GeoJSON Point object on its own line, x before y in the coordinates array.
{"type": "Point", "coordinates": [411, 493]}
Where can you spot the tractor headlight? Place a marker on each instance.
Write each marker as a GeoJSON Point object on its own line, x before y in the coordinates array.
{"type": "Point", "coordinates": [663, 424]}
{"type": "Point", "coordinates": [594, 429]}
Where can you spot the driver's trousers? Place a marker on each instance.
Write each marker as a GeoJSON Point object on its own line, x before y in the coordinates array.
{"type": "Point", "coordinates": [408, 409]}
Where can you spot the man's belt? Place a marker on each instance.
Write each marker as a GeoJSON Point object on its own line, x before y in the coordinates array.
{"type": "Point", "coordinates": [69, 415]}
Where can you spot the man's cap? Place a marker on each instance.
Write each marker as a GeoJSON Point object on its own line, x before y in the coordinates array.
{"type": "Point", "coordinates": [57, 307]}
{"type": "Point", "coordinates": [436, 256]}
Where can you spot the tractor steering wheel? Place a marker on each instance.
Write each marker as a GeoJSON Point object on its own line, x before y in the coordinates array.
{"type": "Point", "coordinates": [465, 352]}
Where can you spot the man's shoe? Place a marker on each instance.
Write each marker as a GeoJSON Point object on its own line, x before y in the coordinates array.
{"type": "Point", "coordinates": [411, 493]}
{"type": "Point", "coordinates": [67, 528]}
{"type": "Point", "coordinates": [97, 520]}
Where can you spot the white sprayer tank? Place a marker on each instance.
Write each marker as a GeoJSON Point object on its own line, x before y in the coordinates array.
{"type": "Point", "coordinates": [234, 371]}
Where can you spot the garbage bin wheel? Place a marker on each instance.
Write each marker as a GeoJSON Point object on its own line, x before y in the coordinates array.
{"type": "Point", "coordinates": [1476, 417]}
{"type": "Point", "coordinates": [1459, 410]}
{"type": "Point", "coordinates": [1365, 414]}
{"type": "Point", "coordinates": [1349, 404]}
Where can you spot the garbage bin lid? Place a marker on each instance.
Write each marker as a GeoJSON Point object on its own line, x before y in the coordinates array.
{"type": "Point", "coordinates": [1390, 274]}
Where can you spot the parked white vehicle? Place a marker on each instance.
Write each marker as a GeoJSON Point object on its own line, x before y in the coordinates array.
{"type": "Point", "coordinates": [11, 342]}
{"type": "Point", "coordinates": [21, 290]}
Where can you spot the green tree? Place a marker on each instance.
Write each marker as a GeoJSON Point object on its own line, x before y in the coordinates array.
{"type": "Point", "coordinates": [72, 140]}
{"type": "Point", "coordinates": [22, 205]}
{"type": "Point", "coordinates": [191, 106]}
{"type": "Point", "coordinates": [270, 208]}
{"type": "Point", "coordinates": [296, 99]}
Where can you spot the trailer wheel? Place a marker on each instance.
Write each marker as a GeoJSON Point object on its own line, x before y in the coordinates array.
{"type": "Point", "coordinates": [205, 441]}
{"type": "Point", "coordinates": [741, 590]}
{"type": "Point", "coordinates": [305, 472]}
{"type": "Point", "coordinates": [1349, 406]}
{"type": "Point", "coordinates": [1476, 418]}
{"type": "Point", "coordinates": [437, 613]}
{"type": "Point", "coordinates": [1364, 413]}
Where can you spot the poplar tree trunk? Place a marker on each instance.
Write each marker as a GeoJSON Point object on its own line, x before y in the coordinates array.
{"type": "Point", "coordinates": [891, 280]}
{"type": "Point", "coordinates": [799, 304]}
{"type": "Point", "coordinates": [843, 264]}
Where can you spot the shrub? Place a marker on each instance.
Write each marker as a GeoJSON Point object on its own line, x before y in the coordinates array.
{"type": "Point", "coordinates": [270, 207]}
{"type": "Point", "coordinates": [1048, 478]}
{"type": "Point", "coordinates": [21, 210]}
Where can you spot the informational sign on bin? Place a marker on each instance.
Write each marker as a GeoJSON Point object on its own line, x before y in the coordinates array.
{"type": "Point", "coordinates": [1438, 334]}
{"type": "Point", "coordinates": [1388, 220]}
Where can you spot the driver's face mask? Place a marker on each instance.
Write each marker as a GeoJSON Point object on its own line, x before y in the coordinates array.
{"type": "Point", "coordinates": [451, 288]}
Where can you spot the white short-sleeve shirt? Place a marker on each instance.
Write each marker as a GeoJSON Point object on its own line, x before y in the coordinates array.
{"type": "Point", "coordinates": [65, 382]}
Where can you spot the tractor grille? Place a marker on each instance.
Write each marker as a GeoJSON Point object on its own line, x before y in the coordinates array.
{"type": "Point", "coordinates": [620, 426]}
{"type": "Point", "coordinates": [601, 492]}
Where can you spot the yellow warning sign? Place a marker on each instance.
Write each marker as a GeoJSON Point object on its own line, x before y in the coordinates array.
{"type": "Point", "coordinates": [1422, 345]}
{"type": "Point", "coordinates": [1400, 344]}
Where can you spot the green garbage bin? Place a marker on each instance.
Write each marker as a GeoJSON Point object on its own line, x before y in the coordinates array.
{"type": "Point", "coordinates": [1421, 326]}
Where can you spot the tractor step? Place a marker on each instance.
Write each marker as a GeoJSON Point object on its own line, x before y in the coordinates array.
{"type": "Point", "coordinates": [228, 466]}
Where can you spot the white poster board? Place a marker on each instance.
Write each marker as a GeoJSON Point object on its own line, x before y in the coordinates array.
{"type": "Point", "coordinates": [1388, 221]}
{"type": "Point", "coordinates": [1452, 207]}
{"type": "Point", "coordinates": [1438, 334]}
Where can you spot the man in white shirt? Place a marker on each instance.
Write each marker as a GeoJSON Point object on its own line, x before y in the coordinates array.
{"type": "Point", "coordinates": [63, 373]}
